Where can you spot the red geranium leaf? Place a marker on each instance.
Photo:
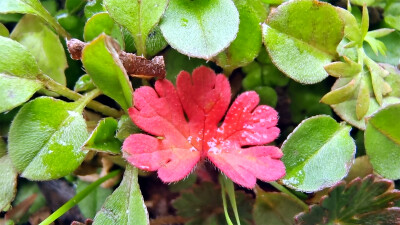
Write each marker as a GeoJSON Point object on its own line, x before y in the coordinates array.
{"type": "Point", "coordinates": [204, 97]}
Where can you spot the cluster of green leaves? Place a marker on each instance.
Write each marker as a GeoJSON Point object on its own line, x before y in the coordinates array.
{"type": "Point", "coordinates": [49, 137]}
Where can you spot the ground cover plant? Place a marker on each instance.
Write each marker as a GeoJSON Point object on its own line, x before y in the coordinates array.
{"type": "Point", "coordinates": [261, 112]}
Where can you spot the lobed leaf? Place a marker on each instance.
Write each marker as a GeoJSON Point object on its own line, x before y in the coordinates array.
{"type": "Point", "coordinates": [181, 144]}
{"type": "Point", "coordinates": [364, 201]}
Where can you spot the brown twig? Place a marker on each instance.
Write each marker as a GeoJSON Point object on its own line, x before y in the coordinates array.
{"type": "Point", "coordinates": [136, 66]}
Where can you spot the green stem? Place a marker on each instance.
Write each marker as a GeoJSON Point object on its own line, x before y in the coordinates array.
{"type": "Point", "coordinates": [77, 198]}
{"type": "Point", "coordinates": [82, 102]}
{"type": "Point", "coordinates": [52, 85]}
{"type": "Point", "coordinates": [286, 191]}
{"type": "Point", "coordinates": [228, 219]}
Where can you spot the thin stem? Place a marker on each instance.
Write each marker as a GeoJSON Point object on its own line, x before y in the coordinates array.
{"type": "Point", "coordinates": [87, 98]}
{"type": "Point", "coordinates": [228, 220]}
{"type": "Point", "coordinates": [52, 85]}
{"type": "Point", "coordinates": [286, 191]}
{"type": "Point", "coordinates": [77, 198]}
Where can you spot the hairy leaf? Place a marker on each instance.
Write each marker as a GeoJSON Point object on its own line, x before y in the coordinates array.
{"type": "Point", "coordinates": [8, 182]}
{"type": "Point", "coordinates": [139, 17]}
{"type": "Point", "coordinates": [382, 141]}
{"type": "Point", "coordinates": [102, 63]}
{"type": "Point", "coordinates": [355, 203]}
{"type": "Point", "coordinates": [103, 137]}
{"type": "Point", "coordinates": [200, 28]}
{"type": "Point", "coordinates": [46, 137]}
{"type": "Point", "coordinates": [309, 152]}
{"type": "Point", "coordinates": [301, 41]}
{"type": "Point", "coordinates": [125, 206]}
{"type": "Point", "coordinates": [44, 45]}
{"type": "Point", "coordinates": [16, 90]}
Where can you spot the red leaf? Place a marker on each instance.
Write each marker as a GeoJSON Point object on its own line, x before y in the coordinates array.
{"type": "Point", "coordinates": [204, 98]}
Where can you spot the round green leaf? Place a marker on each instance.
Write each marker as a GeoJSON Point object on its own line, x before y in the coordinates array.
{"type": "Point", "coordinates": [139, 17]}
{"type": "Point", "coordinates": [318, 154]}
{"type": "Point", "coordinates": [15, 90]}
{"type": "Point", "coordinates": [102, 63]}
{"type": "Point", "coordinates": [247, 44]}
{"type": "Point", "coordinates": [8, 182]}
{"type": "Point", "coordinates": [301, 37]}
{"type": "Point", "coordinates": [46, 137]}
{"type": "Point", "coordinates": [84, 83]}
{"type": "Point", "coordinates": [44, 44]}
{"type": "Point", "coordinates": [102, 23]}
{"type": "Point", "coordinates": [200, 28]}
{"type": "Point", "coordinates": [20, 62]}
{"type": "Point", "coordinates": [382, 141]}
{"type": "Point", "coordinates": [103, 137]}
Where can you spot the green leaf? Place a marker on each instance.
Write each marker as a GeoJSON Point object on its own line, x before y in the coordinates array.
{"type": "Point", "coordinates": [102, 23]}
{"type": "Point", "coordinates": [382, 141]}
{"type": "Point", "coordinates": [362, 2]}
{"type": "Point", "coordinates": [377, 74]}
{"type": "Point", "coordinates": [92, 7]}
{"type": "Point", "coordinates": [8, 182]}
{"type": "Point", "coordinates": [202, 205]}
{"type": "Point", "coordinates": [20, 62]}
{"type": "Point", "coordinates": [362, 99]}
{"type": "Point", "coordinates": [200, 28]}
{"type": "Point", "coordinates": [175, 62]}
{"type": "Point", "coordinates": [364, 22]}
{"type": "Point", "coordinates": [268, 95]}
{"type": "Point", "coordinates": [92, 203]}
{"type": "Point", "coordinates": [102, 138]}
{"type": "Point", "coordinates": [101, 61]}
{"type": "Point", "coordinates": [352, 30]}
{"type": "Point", "coordinates": [125, 205]}
{"type": "Point", "coordinates": [308, 161]}
{"type": "Point", "coordinates": [348, 68]}
{"type": "Point", "coordinates": [301, 40]}
{"type": "Point", "coordinates": [84, 83]}
{"type": "Point", "coordinates": [340, 94]}
{"type": "Point", "coordinates": [272, 208]}
{"type": "Point", "coordinates": [347, 110]}
{"type": "Point", "coordinates": [360, 168]}
{"type": "Point", "coordinates": [31, 7]}
{"type": "Point", "coordinates": [125, 128]}
{"type": "Point", "coordinates": [247, 44]}
{"type": "Point", "coordinates": [4, 31]}
{"type": "Point", "coordinates": [139, 17]}
{"type": "Point", "coordinates": [354, 203]}
{"type": "Point", "coordinates": [392, 14]}
{"type": "Point", "coordinates": [44, 45]}
{"type": "Point", "coordinates": [392, 53]}
{"type": "Point", "coordinates": [45, 134]}
{"type": "Point", "coordinates": [3, 147]}
{"type": "Point", "coordinates": [15, 90]}
{"type": "Point", "coordinates": [155, 42]}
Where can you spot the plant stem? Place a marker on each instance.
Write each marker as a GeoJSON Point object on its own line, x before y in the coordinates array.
{"type": "Point", "coordinates": [221, 181]}
{"type": "Point", "coordinates": [52, 85]}
{"type": "Point", "coordinates": [286, 191]}
{"type": "Point", "coordinates": [77, 198]}
{"type": "Point", "coordinates": [82, 102]}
